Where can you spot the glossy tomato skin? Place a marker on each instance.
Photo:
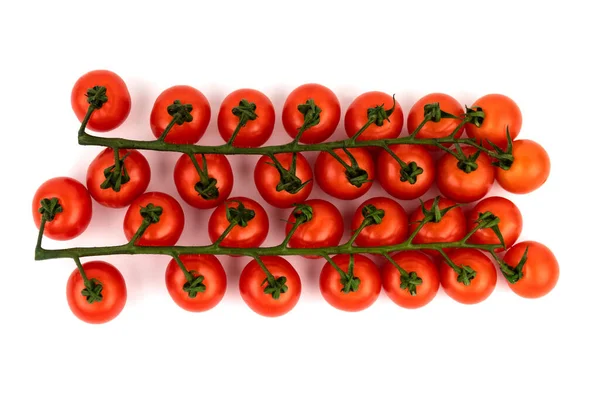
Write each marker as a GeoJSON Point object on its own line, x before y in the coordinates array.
{"type": "Point", "coordinates": [540, 272]}
{"type": "Point", "coordinates": [529, 170]}
{"type": "Point", "coordinates": [256, 132]}
{"type": "Point", "coordinates": [114, 293]}
{"type": "Point", "coordinates": [188, 132]}
{"type": "Point", "coordinates": [435, 130]}
{"type": "Point", "coordinates": [393, 228]}
{"type": "Point", "coordinates": [325, 229]}
{"type": "Point", "coordinates": [166, 232]}
{"type": "Point", "coordinates": [356, 117]}
{"type": "Point", "coordinates": [266, 179]}
{"type": "Point", "coordinates": [186, 177]}
{"type": "Point", "coordinates": [112, 113]}
{"type": "Point", "coordinates": [510, 225]}
{"type": "Point", "coordinates": [331, 175]}
{"type": "Point", "coordinates": [500, 112]}
{"type": "Point", "coordinates": [388, 171]}
{"type": "Point", "coordinates": [76, 206]}
{"type": "Point", "coordinates": [460, 186]}
{"type": "Point", "coordinates": [411, 261]}
{"type": "Point", "coordinates": [481, 286]}
{"type": "Point", "coordinates": [137, 168]}
{"type": "Point", "coordinates": [252, 235]}
{"type": "Point", "coordinates": [368, 289]}
{"type": "Point", "coordinates": [252, 285]}
{"type": "Point", "coordinates": [215, 281]}
{"type": "Point", "coordinates": [330, 114]}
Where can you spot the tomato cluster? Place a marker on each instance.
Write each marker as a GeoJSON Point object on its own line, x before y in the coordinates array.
{"type": "Point", "coordinates": [464, 172]}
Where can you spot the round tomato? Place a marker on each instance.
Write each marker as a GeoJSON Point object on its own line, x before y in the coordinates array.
{"type": "Point", "coordinates": [392, 229]}
{"type": "Point", "coordinates": [420, 269]}
{"type": "Point", "coordinates": [287, 184]}
{"type": "Point", "coordinates": [113, 104]}
{"type": "Point", "coordinates": [501, 112]}
{"type": "Point", "coordinates": [510, 225]}
{"type": "Point", "coordinates": [345, 182]}
{"type": "Point", "coordinates": [253, 234]}
{"type": "Point", "coordinates": [132, 181]}
{"type": "Point", "coordinates": [480, 287]}
{"type": "Point", "coordinates": [540, 271]}
{"type": "Point", "coordinates": [254, 286]}
{"type": "Point", "coordinates": [460, 181]}
{"type": "Point", "coordinates": [207, 189]}
{"type": "Point", "coordinates": [357, 116]}
{"type": "Point", "coordinates": [435, 130]}
{"type": "Point", "coordinates": [72, 210]}
{"type": "Point", "coordinates": [529, 170]}
{"type": "Point", "coordinates": [113, 293]}
{"type": "Point", "coordinates": [309, 101]}
{"type": "Point", "coordinates": [205, 294]}
{"type": "Point", "coordinates": [420, 169]}
{"type": "Point", "coordinates": [363, 284]}
{"type": "Point", "coordinates": [258, 112]}
{"type": "Point", "coordinates": [166, 231]}
{"type": "Point", "coordinates": [164, 110]}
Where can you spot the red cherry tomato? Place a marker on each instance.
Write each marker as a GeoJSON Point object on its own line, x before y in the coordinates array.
{"type": "Point", "coordinates": [501, 112]}
{"type": "Point", "coordinates": [389, 171]}
{"type": "Point", "coordinates": [510, 225]}
{"type": "Point", "coordinates": [256, 132]}
{"type": "Point", "coordinates": [368, 290]}
{"type": "Point", "coordinates": [114, 293]}
{"type": "Point", "coordinates": [435, 130]}
{"type": "Point", "coordinates": [333, 178]}
{"type": "Point", "coordinates": [188, 132]}
{"type": "Point", "coordinates": [480, 287]}
{"type": "Point", "coordinates": [113, 112]}
{"type": "Point", "coordinates": [529, 170]}
{"type": "Point", "coordinates": [267, 177]}
{"type": "Point", "coordinates": [329, 116]}
{"type": "Point", "coordinates": [412, 262]}
{"type": "Point", "coordinates": [75, 202]}
{"type": "Point", "coordinates": [187, 179]}
{"type": "Point", "coordinates": [253, 282]}
{"type": "Point", "coordinates": [357, 116]}
{"type": "Point", "coordinates": [251, 235]}
{"type": "Point", "coordinates": [540, 272]}
{"type": "Point", "coordinates": [215, 282]}
{"type": "Point", "coordinates": [166, 231]}
{"type": "Point", "coordinates": [393, 228]}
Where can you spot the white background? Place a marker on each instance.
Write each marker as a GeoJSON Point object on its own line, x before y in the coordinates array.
{"type": "Point", "coordinates": [541, 55]}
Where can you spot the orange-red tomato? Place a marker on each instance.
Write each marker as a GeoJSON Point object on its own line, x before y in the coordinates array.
{"type": "Point", "coordinates": [186, 178]}
{"type": "Point", "coordinates": [357, 116]}
{"type": "Point", "coordinates": [256, 132]}
{"type": "Point", "coordinates": [435, 130]}
{"type": "Point", "coordinates": [540, 272]}
{"type": "Point", "coordinates": [393, 228]}
{"type": "Point", "coordinates": [389, 171]}
{"type": "Point", "coordinates": [251, 235]}
{"type": "Point", "coordinates": [332, 177]}
{"type": "Point", "coordinates": [510, 225]}
{"type": "Point", "coordinates": [266, 179]}
{"type": "Point", "coordinates": [529, 170]}
{"type": "Point", "coordinates": [501, 112]}
{"type": "Point", "coordinates": [480, 288]}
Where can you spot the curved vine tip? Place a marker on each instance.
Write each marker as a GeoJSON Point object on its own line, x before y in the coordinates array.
{"type": "Point", "coordinates": [49, 208]}
{"type": "Point", "coordinates": [96, 96]}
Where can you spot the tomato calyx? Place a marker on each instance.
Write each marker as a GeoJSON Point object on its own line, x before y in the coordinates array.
{"type": "Point", "coordinates": [410, 172]}
{"type": "Point", "coordinates": [116, 175]}
{"type": "Point", "coordinates": [378, 115]}
{"type": "Point", "coordinates": [151, 213]}
{"type": "Point", "coordinates": [488, 220]}
{"type": "Point", "coordinates": [434, 214]}
{"type": "Point", "coordinates": [275, 287]}
{"type": "Point", "coordinates": [474, 115]}
{"type": "Point", "coordinates": [239, 215]}
{"type": "Point", "coordinates": [303, 213]}
{"type": "Point", "coordinates": [312, 117]}
{"type": "Point", "coordinates": [372, 215]}
{"type": "Point", "coordinates": [195, 283]}
{"type": "Point", "coordinates": [96, 96]}
{"type": "Point", "coordinates": [409, 281]}
{"type": "Point", "coordinates": [350, 283]}
{"type": "Point", "coordinates": [207, 185]}
{"type": "Point", "coordinates": [504, 158]}
{"type": "Point", "coordinates": [92, 290]}
{"type": "Point", "coordinates": [465, 274]}
{"type": "Point", "coordinates": [512, 274]}
{"type": "Point", "coordinates": [180, 112]}
{"type": "Point", "coordinates": [49, 208]}
{"type": "Point", "coordinates": [354, 173]}
{"type": "Point", "coordinates": [245, 111]}
{"type": "Point", "coordinates": [288, 180]}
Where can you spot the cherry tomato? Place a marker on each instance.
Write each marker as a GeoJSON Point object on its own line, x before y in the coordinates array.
{"type": "Point", "coordinates": [331, 286]}
{"type": "Point", "coordinates": [267, 177]}
{"type": "Point", "coordinates": [187, 179]}
{"type": "Point", "coordinates": [188, 132]}
{"type": "Point", "coordinates": [412, 262]}
{"type": "Point", "coordinates": [357, 116]}
{"type": "Point", "coordinates": [256, 132]}
{"type": "Point", "coordinates": [540, 272]}
{"type": "Point", "coordinates": [138, 172]}
{"type": "Point", "coordinates": [334, 178]}
{"type": "Point", "coordinates": [500, 112]}
{"type": "Point", "coordinates": [393, 228]}
{"type": "Point", "coordinates": [480, 287]}
{"type": "Point", "coordinates": [251, 235]}
{"type": "Point", "coordinates": [253, 282]}
{"type": "Point", "coordinates": [459, 185]}
{"type": "Point", "coordinates": [114, 293]}
{"type": "Point", "coordinates": [329, 117]}
{"type": "Point", "coordinates": [75, 203]}
{"type": "Point", "coordinates": [389, 171]}
{"type": "Point", "coordinates": [116, 108]}
{"type": "Point", "coordinates": [510, 225]}
{"type": "Point", "coordinates": [166, 231]}
{"type": "Point", "coordinates": [215, 282]}
{"type": "Point", "coordinates": [325, 229]}
{"type": "Point", "coordinates": [529, 170]}
{"type": "Point", "coordinates": [435, 130]}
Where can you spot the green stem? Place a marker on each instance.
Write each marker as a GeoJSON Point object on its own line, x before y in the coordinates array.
{"type": "Point", "coordinates": [38, 246]}
{"type": "Point", "coordinates": [339, 159]}
{"type": "Point", "coordinates": [86, 119]}
{"type": "Point", "coordinates": [365, 222]}
{"type": "Point", "coordinates": [86, 281]}
{"type": "Point", "coordinates": [188, 276]}
{"type": "Point", "coordinates": [416, 231]}
{"type": "Point", "coordinates": [363, 128]}
{"type": "Point", "coordinates": [394, 156]}
{"type": "Point", "coordinates": [402, 271]}
{"type": "Point", "coordinates": [162, 137]}
{"type": "Point", "coordinates": [217, 242]}
{"type": "Point", "coordinates": [421, 125]}
{"type": "Point", "coordinates": [270, 277]}
{"type": "Point", "coordinates": [138, 234]}
{"type": "Point", "coordinates": [239, 126]}
{"type": "Point", "coordinates": [288, 237]}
